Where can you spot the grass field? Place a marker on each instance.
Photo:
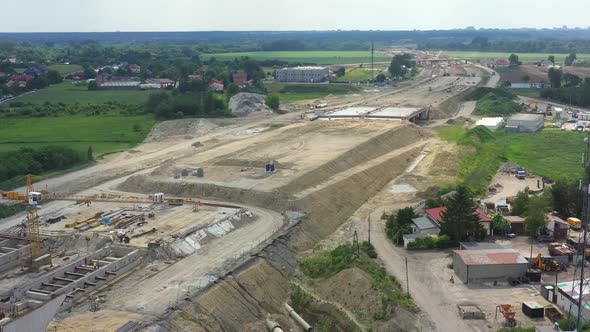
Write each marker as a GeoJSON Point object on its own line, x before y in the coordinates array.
{"type": "Point", "coordinates": [65, 69]}
{"type": "Point", "coordinates": [533, 93]}
{"type": "Point", "coordinates": [550, 153]}
{"type": "Point", "coordinates": [106, 134]}
{"type": "Point", "coordinates": [69, 93]}
{"type": "Point", "coordinates": [358, 75]}
{"type": "Point", "coordinates": [317, 57]}
{"type": "Point", "coordinates": [297, 92]}
{"type": "Point", "coordinates": [525, 57]}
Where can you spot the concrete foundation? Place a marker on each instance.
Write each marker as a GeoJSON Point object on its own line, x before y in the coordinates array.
{"type": "Point", "coordinates": [13, 253]}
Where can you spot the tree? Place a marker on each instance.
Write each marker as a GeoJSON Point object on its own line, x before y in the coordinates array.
{"type": "Point", "coordinates": [380, 78]}
{"type": "Point", "coordinates": [395, 68]}
{"type": "Point", "coordinates": [232, 90]}
{"type": "Point", "coordinates": [92, 86]}
{"type": "Point", "coordinates": [340, 72]}
{"type": "Point", "coordinates": [39, 82]}
{"type": "Point", "coordinates": [551, 58]}
{"type": "Point", "coordinates": [500, 224]}
{"type": "Point", "coordinates": [405, 215]}
{"type": "Point", "coordinates": [536, 218]}
{"type": "Point", "coordinates": [54, 77]}
{"type": "Point", "coordinates": [555, 77]}
{"type": "Point", "coordinates": [569, 60]}
{"type": "Point", "coordinates": [399, 223]}
{"type": "Point", "coordinates": [273, 101]}
{"type": "Point", "coordinates": [513, 58]}
{"type": "Point", "coordinates": [520, 204]}
{"type": "Point", "coordinates": [565, 198]}
{"type": "Point", "coordinates": [460, 221]}
{"type": "Point", "coordinates": [526, 78]}
{"type": "Point", "coordinates": [89, 154]}
{"type": "Point", "coordinates": [571, 80]}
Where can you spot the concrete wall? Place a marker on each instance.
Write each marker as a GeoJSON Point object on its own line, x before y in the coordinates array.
{"type": "Point", "coordinates": [36, 320]}
{"type": "Point", "coordinates": [483, 273]}
{"type": "Point", "coordinates": [8, 260]}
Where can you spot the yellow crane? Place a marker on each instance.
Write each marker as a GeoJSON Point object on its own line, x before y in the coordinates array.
{"type": "Point", "coordinates": [31, 200]}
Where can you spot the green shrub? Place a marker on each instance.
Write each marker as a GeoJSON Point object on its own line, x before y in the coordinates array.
{"type": "Point", "coordinates": [300, 300]}
{"type": "Point", "coordinates": [431, 242]}
{"type": "Point", "coordinates": [481, 92]}
{"type": "Point", "coordinates": [369, 249]}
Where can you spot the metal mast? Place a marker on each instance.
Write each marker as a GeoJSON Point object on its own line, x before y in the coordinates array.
{"type": "Point", "coordinates": [372, 61]}
{"type": "Point", "coordinates": [585, 192]}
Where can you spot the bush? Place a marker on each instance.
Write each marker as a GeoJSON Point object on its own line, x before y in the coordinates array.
{"type": "Point", "coordinates": [369, 249]}
{"type": "Point", "coordinates": [431, 242]}
{"type": "Point", "coordinates": [481, 92]}
{"type": "Point", "coordinates": [300, 300]}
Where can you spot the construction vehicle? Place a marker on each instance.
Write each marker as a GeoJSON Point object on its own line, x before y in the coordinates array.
{"type": "Point", "coordinates": [548, 264]}
{"type": "Point", "coordinates": [509, 313]}
{"type": "Point", "coordinates": [574, 223]}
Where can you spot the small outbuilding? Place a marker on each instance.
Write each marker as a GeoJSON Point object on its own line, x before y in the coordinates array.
{"type": "Point", "coordinates": [472, 266]}
{"type": "Point", "coordinates": [423, 225]}
{"type": "Point", "coordinates": [525, 123]}
{"type": "Point", "coordinates": [491, 123]}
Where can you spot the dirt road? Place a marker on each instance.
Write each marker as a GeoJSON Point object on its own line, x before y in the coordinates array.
{"type": "Point", "coordinates": [424, 289]}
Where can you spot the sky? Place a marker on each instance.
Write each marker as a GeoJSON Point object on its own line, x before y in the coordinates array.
{"type": "Point", "coordinates": [244, 15]}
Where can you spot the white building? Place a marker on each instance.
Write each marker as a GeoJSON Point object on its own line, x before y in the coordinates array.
{"type": "Point", "coordinates": [491, 123]}
{"type": "Point", "coordinates": [525, 123]}
{"type": "Point", "coordinates": [302, 74]}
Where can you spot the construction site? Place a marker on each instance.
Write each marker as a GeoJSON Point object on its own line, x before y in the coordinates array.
{"type": "Point", "coordinates": [201, 227]}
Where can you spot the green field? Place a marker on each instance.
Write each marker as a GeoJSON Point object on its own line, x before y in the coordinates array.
{"type": "Point", "coordinates": [317, 57]}
{"type": "Point", "coordinates": [106, 134]}
{"type": "Point", "coordinates": [550, 153]}
{"type": "Point", "coordinates": [297, 92]}
{"type": "Point", "coordinates": [358, 75]}
{"type": "Point", "coordinates": [533, 93]}
{"type": "Point", "coordinates": [69, 93]}
{"type": "Point", "coordinates": [65, 69]}
{"type": "Point", "coordinates": [525, 57]}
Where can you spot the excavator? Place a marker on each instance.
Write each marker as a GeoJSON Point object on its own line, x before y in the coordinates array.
{"type": "Point", "coordinates": [548, 264]}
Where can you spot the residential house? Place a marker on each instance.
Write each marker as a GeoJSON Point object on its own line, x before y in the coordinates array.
{"type": "Point", "coordinates": [240, 79]}
{"type": "Point", "coordinates": [134, 69]}
{"type": "Point", "coordinates": [546, 63]}
{"type": "Point", "coordinates": [435, 214]}
{"type": "Point", "coordinates": [195, 77]}
{"type": "Point", "coordinates": [216, 85]}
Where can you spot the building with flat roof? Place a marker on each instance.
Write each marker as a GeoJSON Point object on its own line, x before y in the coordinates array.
{"type": "Point", "coordinates": [423, 225]}
{"type": "Point", "coordinates": [472, 266]}
{"type": "Point", "coordinates": [309, 74]}
{"type": "Point", "coordinates": [491, 123]}
{"type": "Point", "coordinates": [525, 123]}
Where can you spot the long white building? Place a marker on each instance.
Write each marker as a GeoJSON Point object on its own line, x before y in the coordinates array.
{"type": "Point", "coordinates": [302, 74]}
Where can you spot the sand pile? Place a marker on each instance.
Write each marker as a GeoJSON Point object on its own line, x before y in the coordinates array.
{"type": "Point", "coordinates": [244, 104]}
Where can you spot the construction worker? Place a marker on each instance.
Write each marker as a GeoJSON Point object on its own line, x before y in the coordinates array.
{"type": "Point", "coordinates": [95, 266]}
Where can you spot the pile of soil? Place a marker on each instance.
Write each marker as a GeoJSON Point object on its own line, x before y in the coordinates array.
{"type": "Point", "coordinates": [244, 104]}
{"type": "Point", "coordinates": [186, 128]}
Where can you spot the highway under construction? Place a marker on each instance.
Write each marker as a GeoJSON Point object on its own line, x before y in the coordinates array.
{"type": "Point", "coordinates": [199, 228]}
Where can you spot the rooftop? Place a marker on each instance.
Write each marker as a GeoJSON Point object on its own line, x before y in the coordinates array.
{"type": "Point", "coordinates": [424, 223]}
{"type": "Point", "coordinates": [526, 117]}
{"type": "Point", "coordinates": [481, 246]}
{"type": "Point", "coordinates": [490, 257]}
{"type": "Point", "coordinates": [306, 68]}
{"type": "Point", "coordinates": [489, 121]}
{"type": "Point", "coordinates": [436, 214]}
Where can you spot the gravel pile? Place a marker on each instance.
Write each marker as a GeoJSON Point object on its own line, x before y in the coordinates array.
{"type": "Point", "coordinates": [186, 128]}
{"type": "Point", "coordinates": [244, 104]}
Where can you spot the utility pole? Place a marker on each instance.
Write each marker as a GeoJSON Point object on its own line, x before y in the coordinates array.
{"type": "Point", "coordinates": [585, 188]}
{"type": "Point", "coordinates": [407, 278]}
{"type": "Point", "coordinates": [369, 228]}
{"type": "Point", "coordinates": [372, 61]}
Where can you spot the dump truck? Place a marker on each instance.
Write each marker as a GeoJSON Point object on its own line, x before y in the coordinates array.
{"type": "Point", "coordinates": [520, 173]}
{"type": "Point", "coordinates": [548, 264]}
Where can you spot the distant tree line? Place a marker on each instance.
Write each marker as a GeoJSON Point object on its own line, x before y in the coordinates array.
{"type": "Point", "coordinates": [567, 88]}
{"type": "Point", "coordinates": [36, 161]}
{"type": "Point", "coordinates": [483, 44]}
{"type": "Point", "coordinates": [191, 104]}
{"type": "Point", "coordinates": [18, 109]}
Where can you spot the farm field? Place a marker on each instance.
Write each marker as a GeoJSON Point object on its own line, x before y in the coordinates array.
{"type": "Point", "coordinates": [316, 57]}
{"type": "Point", "coordinates": [69, 93]}
{"type": "Point", "coordinates": [297, 92]}
{"type": "Point", "coordinates": [65, 69]}
{"type": "Point", "coordinates": [525, 57]}
{"type": "Point", "coordinates": [106, 134]}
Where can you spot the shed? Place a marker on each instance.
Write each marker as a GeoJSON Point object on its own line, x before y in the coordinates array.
{"type": "Point", "coordinates": [533, 309]}
{"type": "Point", "coordinates": [472, 266]}
{"type": "Point", "coordinates": [424, 225]}
{"type": "Point", "coordinates": [516, 224]}
{"type": "Point", "coordinates": [525, 123]}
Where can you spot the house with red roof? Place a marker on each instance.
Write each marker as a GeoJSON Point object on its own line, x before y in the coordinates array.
{"type": "Point", "coordinates": [216, 85]}
{"type": "Point", "coordinates": [435, 215]}
{"type": "Point", "coordinates": [240, 79]}
{"type": "Point", "coordinates": [502, 63]}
